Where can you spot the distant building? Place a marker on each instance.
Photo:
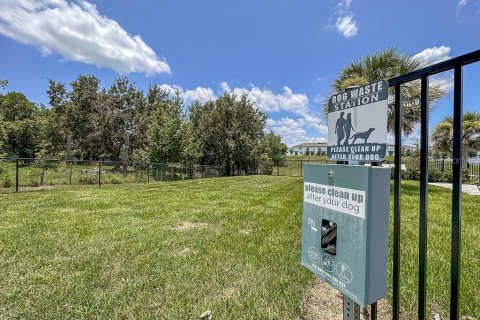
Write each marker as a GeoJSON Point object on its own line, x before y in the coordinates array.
{"type": "Point", "coordinates": [405, 149]}
{"type": "Point", "coordinates": [309, 148]}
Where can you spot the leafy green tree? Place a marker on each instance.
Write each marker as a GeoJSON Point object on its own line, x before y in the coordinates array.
{"type": "Point", "coordinates": [442, 136]}
{"type": "Point", "coordinates": [51, 138]}
{"type": "Point", "coordinates": [114, 117]}
{"type": "Point", "coordinates": [229, 131]}
{"type": "Point", "coordinates": [385, 65]}
{"type": "Point", "coordinates": [192, 151]}
{"type": "Point", "coordinates": [80, 116]}
{"type": "Point", "coordinates": [165, 132]}
{"type": "Point", "coordinates": [76, 113]}
{"type": "Point", "coordinates": [273, 146]}
{"type": "Point", "coordinates": [144, 106]}
{"type": "Point", "coordinates": [20, 127]}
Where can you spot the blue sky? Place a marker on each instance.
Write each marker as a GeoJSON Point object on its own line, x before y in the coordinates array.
{"type": "Point", "coordinates": [282, 53]}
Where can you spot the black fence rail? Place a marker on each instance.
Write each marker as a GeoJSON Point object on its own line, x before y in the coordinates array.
{"type": "Point", "coordinates": [457, 65]}
{"type": "Point", "coordinates": [17, 175]}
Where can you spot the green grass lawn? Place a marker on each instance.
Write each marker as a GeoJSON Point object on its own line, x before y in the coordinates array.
{"type": "Point", "coordinates": [439, 248]}
{"type": "Point", "coordinates": [173, 250]}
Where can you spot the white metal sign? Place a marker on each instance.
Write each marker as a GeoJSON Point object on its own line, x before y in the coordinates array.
{"type": "Point", "coordinates": [357, 123]}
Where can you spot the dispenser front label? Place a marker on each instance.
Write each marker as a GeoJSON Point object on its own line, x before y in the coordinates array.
{"type": "Point", "coordinates": [349, 201]}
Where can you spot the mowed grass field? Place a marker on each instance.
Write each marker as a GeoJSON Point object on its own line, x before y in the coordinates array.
{"type": "Point", "coordinates": [173, 250]}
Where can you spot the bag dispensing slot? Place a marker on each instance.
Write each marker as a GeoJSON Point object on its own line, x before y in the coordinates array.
{"type": "Point", "coordinates": [329, 236]}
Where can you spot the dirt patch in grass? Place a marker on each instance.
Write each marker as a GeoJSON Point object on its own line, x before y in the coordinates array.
{"type": "Point", "coordinates": [185, 251]}
{"type": "Point", "coordinates": [245, 232]}
{"type": "Point", "coordinates": [324, 302]}
{"type": "Point", "coordinates": [187, 226]}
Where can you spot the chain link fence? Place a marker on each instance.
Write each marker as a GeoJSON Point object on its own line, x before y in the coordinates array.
{"type": "Point", "coordinates": [21, 174]}
{"type": "Point", "coordinates": [18, 175]}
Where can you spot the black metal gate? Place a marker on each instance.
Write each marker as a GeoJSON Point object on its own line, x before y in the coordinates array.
{"type": "Point", "coordinates": [455, 64]}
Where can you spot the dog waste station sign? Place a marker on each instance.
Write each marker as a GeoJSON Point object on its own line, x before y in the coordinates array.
{"type": "Point", "coordinates": [357, 123]}
{"type": "Point", "coordinates": [346, 207]}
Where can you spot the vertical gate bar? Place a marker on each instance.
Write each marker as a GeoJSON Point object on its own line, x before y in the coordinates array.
{"type": "Point", "coordinates": [422, 248]}
{"type": "Point", "coordinates": [457, 191]}
{"type": "Point", "coordinates": [396, 199]}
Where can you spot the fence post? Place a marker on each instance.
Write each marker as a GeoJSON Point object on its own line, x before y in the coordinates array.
{"type": "Point", "coordinates": [148, 172]}
{"type": "Point", "coordinates": [16, 175]}
{"type": "Point", "coordinates": [301, 168]}
{"type": "Point", "coordinates": [99, 174]}
{"type": "Point", "coordinates": [70, 173]}
{"type": "Point", "coordinates": [42, 176]}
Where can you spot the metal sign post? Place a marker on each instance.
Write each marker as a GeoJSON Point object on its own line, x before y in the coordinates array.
{"type": "Point", "coordinates": [351, 310]}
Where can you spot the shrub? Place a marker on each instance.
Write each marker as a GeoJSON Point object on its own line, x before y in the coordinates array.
{"type": "Point", "coordinates": [440, 176]}
{"type": "Point", "coordinates": [266, 165]}
{"type": "Point", "coordinates": [111, 179]}
{"type": "Point", "coordinates": [33, 183]}
{"type": "Point", "coordinates": [445, 176]}
{"type": "Point", "coordinates": [7, 183]}
{"type": "Point", "coordinates": [410, 174]}
{"type": "Point", "coordinates": [88, 179]}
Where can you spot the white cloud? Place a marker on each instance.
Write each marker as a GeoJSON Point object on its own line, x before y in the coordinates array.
{"type": "Point", "coordinates": [344, 4]}
{"type": "Point", "coordinates": [469, 7]}
{"type": "Point", "coordinates": [268, 101]}
{"type": "Point", "coordinates": [319, 99]}
{"type": "Point", "coordinates": [78, 32]}
{"type": "Point", "coordinates": [225, 87]}
{"type": "Point", "coordinates": [292, 131]}
{"type": "Point", "coordinates": [344, 23]}
{"type": "Point", "coordinates": [347, 26]}
{"type": "Point", "coordinates": [200, 94]}
{"type": "Point", "coordinates": [433, 55]}
{"type": "Point", "coordinates": [444, 80]}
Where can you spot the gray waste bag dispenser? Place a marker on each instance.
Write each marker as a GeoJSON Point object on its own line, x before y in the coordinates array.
{"type": "Point", "coordinates": [345, 228]}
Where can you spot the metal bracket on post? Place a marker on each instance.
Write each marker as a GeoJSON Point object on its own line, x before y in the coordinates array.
{"type": "Point", "coordinates": [351, 310]}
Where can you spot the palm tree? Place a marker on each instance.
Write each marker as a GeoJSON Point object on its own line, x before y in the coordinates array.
{"type": "Point", "coordinates": [442, 136]}
{"type": "Point", "coordinates": [385, 65]}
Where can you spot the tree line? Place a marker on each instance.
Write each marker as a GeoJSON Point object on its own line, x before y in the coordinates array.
{"type": "Point", "coordinates": [123, 123]}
